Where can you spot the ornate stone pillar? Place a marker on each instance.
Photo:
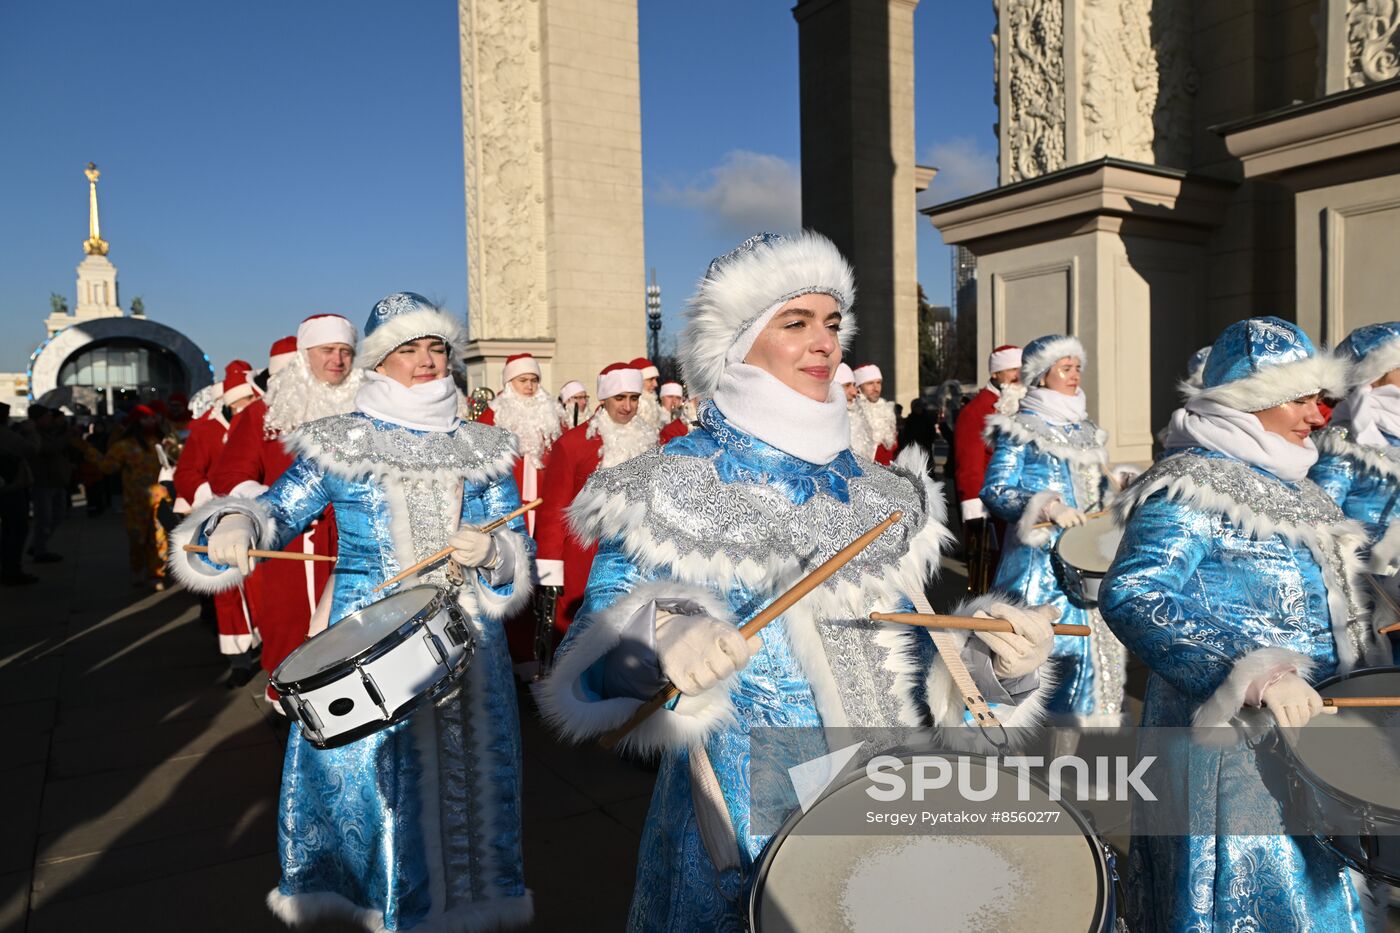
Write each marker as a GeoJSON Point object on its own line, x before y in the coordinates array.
{"type": "Point", "coordinates": [1360, 44]}
{"type": "Point", "coordinates": [551, 132]}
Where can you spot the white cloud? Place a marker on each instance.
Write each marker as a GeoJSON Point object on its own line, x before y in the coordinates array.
{"type": "Point", "coordinates": [964, 167]}
{"type": "Point", "coordinates": [748, 191]}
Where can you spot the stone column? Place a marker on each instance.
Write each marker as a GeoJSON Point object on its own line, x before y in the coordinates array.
{"type": "Point", "coordinates": [1360, 44]}
{"type": "Point", "coordinates": [858, 171]}
{"type": "Point", "coordinates": [551, 130]}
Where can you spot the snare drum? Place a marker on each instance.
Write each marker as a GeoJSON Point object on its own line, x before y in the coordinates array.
{"type": "Point", "coordinates": [1348, 787]}
{"type": "Point", "coordinates": [1083, 555]}
{"type": "Point", "coordinates": [813, 880]}
{"type": "Point", "coordinates": [375, 666]}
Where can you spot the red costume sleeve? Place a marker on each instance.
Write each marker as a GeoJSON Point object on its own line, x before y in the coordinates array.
{"type": "Point", "coordinates": [192, 469]}
{"type": "Point", "coordinates": [241, 458]}
{"type": "Point", "coordinates": [558, 493]}
{"type": "Point", "coordinates": [675, 429]}
{"type": "Point", "coordinates": [969, 449]}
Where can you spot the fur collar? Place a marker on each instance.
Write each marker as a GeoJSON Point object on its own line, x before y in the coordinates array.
{"type": "Point", "coordinates": [1337, 441]}
{"type": "Point", "coordinates": [1080, 447]}
{"type": "Point", "coordinates": [356, 446]}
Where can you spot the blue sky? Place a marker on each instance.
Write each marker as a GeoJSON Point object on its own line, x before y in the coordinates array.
{"type": "Point", "coordinates": [268, 160]}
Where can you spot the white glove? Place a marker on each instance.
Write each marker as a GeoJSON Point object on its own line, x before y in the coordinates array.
{"type": "Point", "coordinates": [1022, 651]}
{"type": "Point", "coordinates": [1066, 516]}
{"type": "Point", "coordinates": [1292, 701]}
{"type": "Point", "coordinates": [473, 548]}
{"type": "Point", "coordinates": [230, 542]}
{"type": "Point", "coordinates": [696, 652]}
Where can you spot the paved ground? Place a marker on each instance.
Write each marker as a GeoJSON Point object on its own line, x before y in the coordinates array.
{"type": "Point", "coordinates": [140, 791]}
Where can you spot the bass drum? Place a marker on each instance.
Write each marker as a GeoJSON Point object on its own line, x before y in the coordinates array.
{"type": "Point", "coordinates": [811, 880]}
{"type": "Point", "coordinates": [1082, 556]}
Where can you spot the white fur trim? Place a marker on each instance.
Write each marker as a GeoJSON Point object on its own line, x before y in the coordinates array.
{"type": "Point", "coordinates": [845, 376]}
{"type": "Point", "coordinates": [498, 914]}
{"type": "Point", "coordinates": [1335, 441]}
{"type": "Point", "coordinates": [945, 699]}
{"type": "Point", "coordinates": [551, 572]}
{"type": "Point", "coordinates": [1033, 367]}
{"type": "Point", "coordinates": [1376, 364]}
{"type": "Point", "coordinates": [248, 489]}
{"type": "Point", "coordinates": [571, 388]}
{"type": "Point", "coordinates": [694, 719]}
{"type": "Point", "coordinates": [492, 604]}
{"type": "Point", "coordinates": [1275, 385]}
{"type": "Point", "coordinates": [279, 361]}
{"type": "Point", "coordinates": [1032, 516]}
{"type": "Point", "coordinates": [972, 509]}
{"type": "Point", "coordinates": [619, 382]}
{"type": "Point", "coordinates": [1346, 536]}
{"type": "Point", "coordinates": [1009, 398]}
{"type": "Point", "coordinates": [193, 571]}
{"type": "Point", "coordinates": [526, 365]}
{"type": "Point", "coordinates": [1228, 699]}
{"type": "Point", "coordinates": [402, 328]}
{"type": "Point", "coordinates": [1385, 553]}
{"type": "Point", "coordinates": [1010, 358]}
{"type": "Point", "coordinates": [741, 290]}
{"type": "Point", "coordinates": [323, 329]}
{"type": "Point", "coordinates": [306, 441]}
{"type": "Point", "coordinates": [1079, 456]}
{"type": "Point", "coordinates": [867, 373]}
{"type": "Point", "coordinates": [672, 390]}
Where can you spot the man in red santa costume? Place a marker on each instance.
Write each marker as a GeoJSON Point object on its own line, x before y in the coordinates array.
{"type": "Point", "coordinates": [876, 416]}
{"type": "Point", "coordinates": [673, 408]}
{"type": "Point", "coordinates": [237, 637]}
{"type": "Point", "coordinates": [535, 419]}
{"type": "Point", "coordinates": [971, 453]}
{"type": "Point", "coordinates": [613, 434]}
{"type": "Point", "coordinates": [317, 382]}
{"type": "Point", "coordinates": [574, 398]}
{"type": "Point", "coordinates": [648, 406]}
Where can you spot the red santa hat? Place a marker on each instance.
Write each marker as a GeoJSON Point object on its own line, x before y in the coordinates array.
{"type": "Point", "coordinates": [867, 373]}
{"type": "Point", "coordinates": [571, 388]}
{"type": "Point", "coordinates": [646, 367]}
{"type": "Point", "coordinates": [844, 376]}
{"type": "Point", "coordinates": [673, 389]}
{"type": "Point", "coordinates": [321, 329]}
{"type": "Point", "coordinates": [521, 364]}
{"type": "Point", "coordinates": [1006, 356]}
{"type": "Point", "coordinates": [237, 386]}
{"type": "Point", "coordinates": [619, 379]}
{"type": "Point", "coordinates": [281, 355]}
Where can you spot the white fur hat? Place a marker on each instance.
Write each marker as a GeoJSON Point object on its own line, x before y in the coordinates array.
{"type": "Point", "coordinates": [746, 285]}
{"type": "Point", "coordinates": [405, 316]}
{"type": "Point", "coordinates": [867, 373]}
{"type": "Point", "coordinates": [1043, 352]}
{"type": "Point", "coordinates": [844, 376]}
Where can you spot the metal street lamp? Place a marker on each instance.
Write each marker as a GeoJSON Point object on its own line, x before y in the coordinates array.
{"type": "Point", "coordinates": [653, 318]}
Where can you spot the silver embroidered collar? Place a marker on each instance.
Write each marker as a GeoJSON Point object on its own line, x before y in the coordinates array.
{"type": "Point", "coordinates": [355, 445]}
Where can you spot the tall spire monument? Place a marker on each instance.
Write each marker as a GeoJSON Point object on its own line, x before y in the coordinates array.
{"type": "Point", "coordinates": [97, 277]}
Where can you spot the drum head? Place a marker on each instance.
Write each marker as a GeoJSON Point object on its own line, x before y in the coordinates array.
{"type": "Point", "coordinates": [1362, 763]}
{"type": "Point", "coordinates": [828, 883]}
{"type": "Point", "coordinates": [1090, 547]}
{"type": "Point", "coordinates": [354, 633]}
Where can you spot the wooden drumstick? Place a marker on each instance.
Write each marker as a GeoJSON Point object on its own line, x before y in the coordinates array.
{"type": "Point", "coordinates": [774, 609]}
{"type": "Point", "coordinates": [440, 555]}
{"type": "Point", "coordinates": [1360, 702]}
{"type": "Point", "coordinates": [1092, 515]}
{"type": "Point", "coordinates": [923, 620]}
{"type": "Point", "coordinates": [1385, 597]}
{"type": "Point", "coordinates": [268, 555]}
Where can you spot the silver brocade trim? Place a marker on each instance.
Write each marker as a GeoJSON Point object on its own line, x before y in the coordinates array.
{"type": "Point", "coordinates": [353, 445]}
{"type": "Point", "coordinates": [1303, 512]}
{"type": "Point", "coordinates": [1338, 440]}
{"type": "Point", "coordinates": [430, 499]}
{"type": "Point", "coordinates": [860, 665]}
{"type": "Point", "coordinates": [689, 507]}
{"type": "Point", "coordinates": [1110, 667]}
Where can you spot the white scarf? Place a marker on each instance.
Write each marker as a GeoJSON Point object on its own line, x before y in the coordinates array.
{"type": "Point", "coordinates": [1056, 407]}
{"type": "Point", "coordinates": [1239, 434]}
{"type": "Point", "coordinates": [621, 441]}
{"type": "Point", "coordinates": [535, 420]}
{"type": "Point", "coordinates": [1369, 412]}
{"type": "Point", "coordinates": [426, 406]}
{"type": "Point", "coordinates": [755, 402]}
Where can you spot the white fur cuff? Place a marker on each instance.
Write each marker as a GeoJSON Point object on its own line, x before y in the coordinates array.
{"type": "Point", "coordinates": [517, 559]}
{"type": "Point", "coordinates": [194, 571]}
{"type": "Point", "coordinates": [567, 706]}
{"type": "Point", "coordinates": [1034, 514]}
{"type": "Point", "coordinates": [1248, 669]}
{"type": "Point", "coordinates": [972, 509]}
{"type": "Point", "coordinates": [551, 572]}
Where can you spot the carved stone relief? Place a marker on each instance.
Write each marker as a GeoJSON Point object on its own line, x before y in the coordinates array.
{"type": "Point", "coordinates": [1372, 53]}
{"type": "Point", "coordinates": [1033, 102]}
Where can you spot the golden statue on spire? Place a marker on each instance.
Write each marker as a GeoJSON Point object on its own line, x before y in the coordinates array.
{"type": "Point", "coordinates": [94, 245]}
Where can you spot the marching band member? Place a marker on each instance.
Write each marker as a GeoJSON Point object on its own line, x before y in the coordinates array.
{"type": "Point", "coordinates": [673, 406]}
{"type": "Point", "coordinates": [237, 637]}
{"type": "Point", "coordinates": [648, 406]}
{"type": "Point", "coordinates": [971, 452]}
{"type": "Point", "coordinates": [613, 434]}
{"type": "Point", "coordinates": [574, 398]}
{"type": "Point", "coordinates": [1048, 464]}
{"type": "Point", "coordinates": [702, 533]}
{"type": "Point", "coordinates": [319, 381]}
{"type": "Point", "coordinates": [878, 424]}
{"type": "Point", "coordinates": [1237, 583]}
{"type": "Point", "coordinates": [417, 825]}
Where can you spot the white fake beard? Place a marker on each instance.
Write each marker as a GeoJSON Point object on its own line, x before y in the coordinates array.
{"type": "Point", "coordinates": [879, 420]}
{"type": "Point", "coordinates": [649, 410]}
{"type": "Point", "coordinates": [860, 434]}
{"type": "Point", "coordinates": [536, 421]}
{"type": "Point", "coordinates": [621, 441]}
{"type": "Point", "coordinates": [295, 396]}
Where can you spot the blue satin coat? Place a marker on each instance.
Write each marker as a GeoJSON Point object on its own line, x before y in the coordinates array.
{"type": "Point", "coordinates": [1364, 493]}
{"type": "Point", "coordinates": [1018, 470]}
{"type": "Point", "coordinates": [354, 821]}
{"type": "Point", "coordinates": [1190, 594]}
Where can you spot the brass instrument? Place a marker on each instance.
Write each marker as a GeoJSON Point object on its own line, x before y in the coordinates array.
{"type": "Point", "coordinates": [478, 400]}
{"type": "Point", "coordinates": [546, 611]}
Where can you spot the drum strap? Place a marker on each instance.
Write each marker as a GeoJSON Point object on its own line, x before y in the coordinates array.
{"type": "Point", "coordinates": [951, 655]}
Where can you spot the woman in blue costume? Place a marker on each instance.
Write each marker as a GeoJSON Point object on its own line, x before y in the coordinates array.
{"type": "Point", "coordinates": [416, 827]}
{"type": "Point", "coordinates": [1237, 583]}
{"type": "Point", "coordinates": [698, 536]}
{"type": "Point", "coordinates": [1049, 465]}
